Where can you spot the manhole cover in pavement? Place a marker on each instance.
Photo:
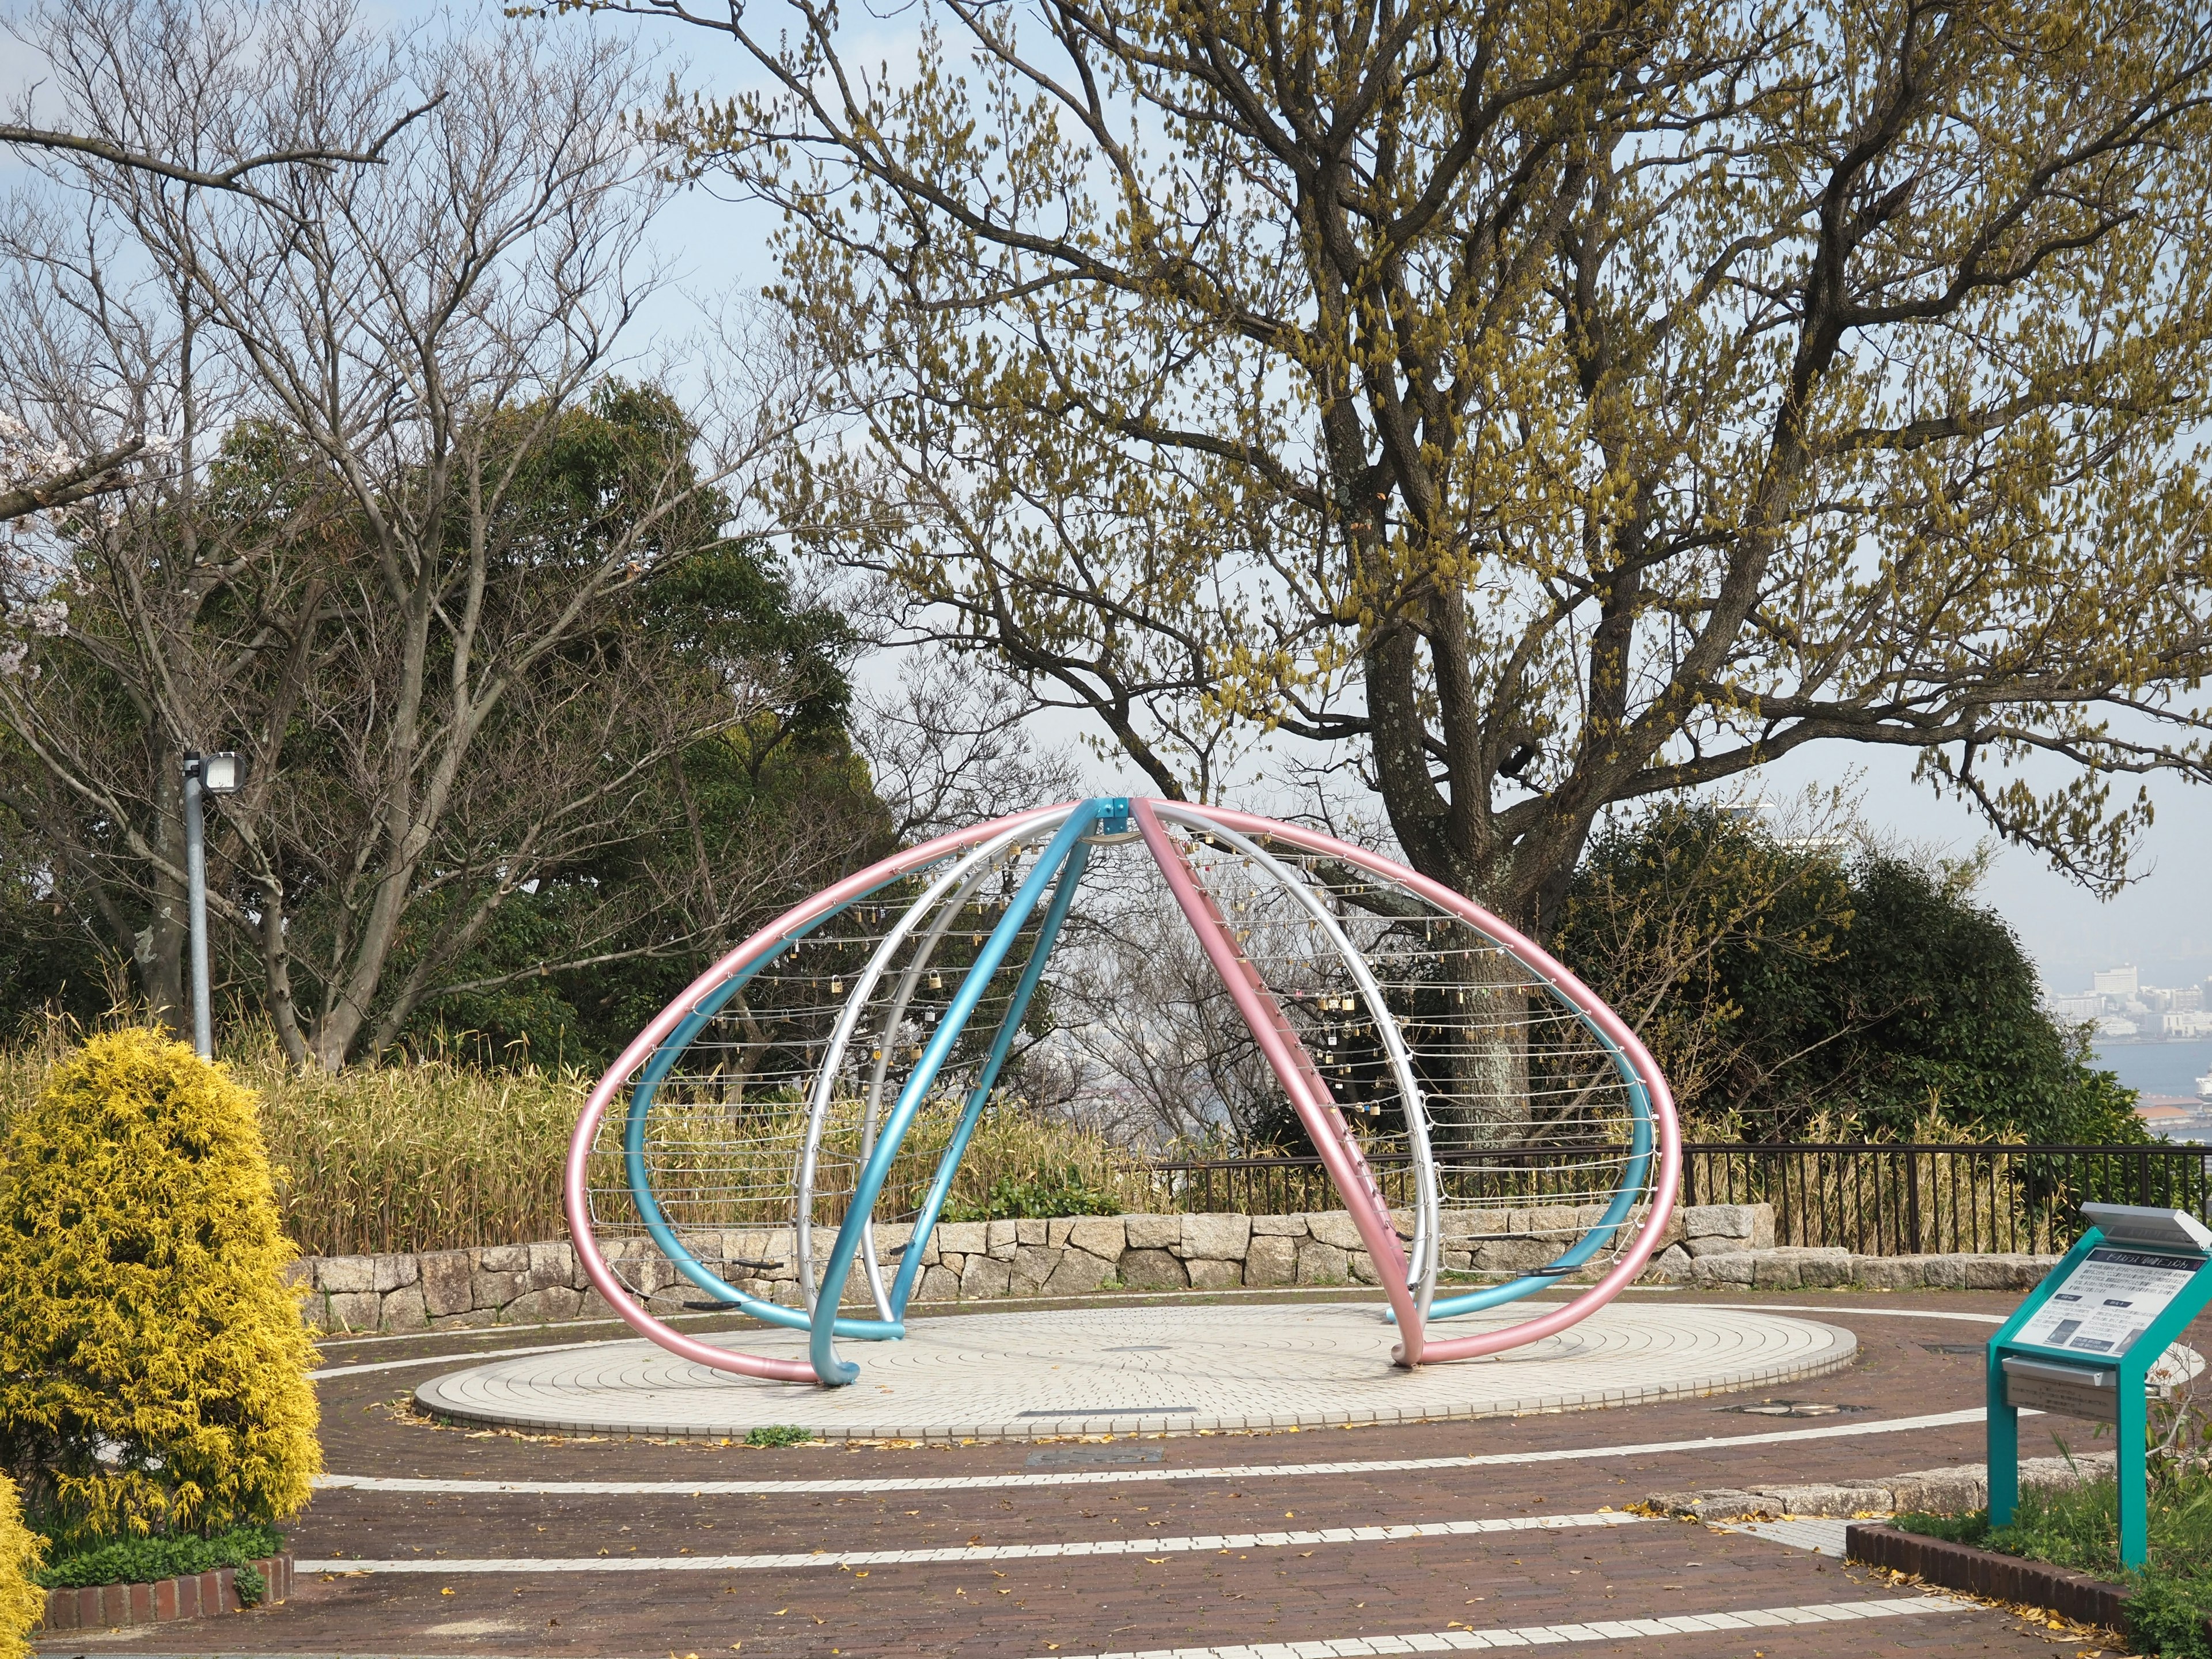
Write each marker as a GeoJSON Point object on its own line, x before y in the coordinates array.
{"type": "Point", "coordinates": [1066, 1456]}
{"type": "Point", "coordinates": [1791, 1408]}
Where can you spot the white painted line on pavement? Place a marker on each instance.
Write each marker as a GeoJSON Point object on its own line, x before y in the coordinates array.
{"type": "Point", "coordinates": [1526, 1636]}
{"type": "Point", "coordinates": [1208, 1543]}
{"type": "Point", "coordinates": [1135, 1473]}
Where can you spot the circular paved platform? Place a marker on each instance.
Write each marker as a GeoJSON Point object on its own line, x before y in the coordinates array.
{"type": "Point", "coordinates": [1143, 1370]}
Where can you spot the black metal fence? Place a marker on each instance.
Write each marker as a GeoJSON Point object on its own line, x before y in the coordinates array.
{"type": "Point", "coordinates": [1872, 1199]}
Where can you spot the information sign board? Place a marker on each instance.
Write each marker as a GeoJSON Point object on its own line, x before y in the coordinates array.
{"type": "Point", "coordinates": [2086, 1343]}
{"type": "Point", "coordinates": [2109, 1300]}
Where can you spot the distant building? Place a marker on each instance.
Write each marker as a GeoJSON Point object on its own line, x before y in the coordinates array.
{"type": "Point", "coordinates": [2189, 996]}
{"type": "Point", "coordinates": [2164, 1117]}
{"type": "Point", "coordinates": [2184, 1023]}
{"type": "Point", "coordinates": [2076, 1009]}
{"type": "Point", "coordinates": [2117, 982]}
{"type": "Point", "coordinates": [2111, 1026]}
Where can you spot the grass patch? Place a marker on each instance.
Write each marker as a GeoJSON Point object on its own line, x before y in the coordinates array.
{"type": "Point", "coordinates": [778, 1434]}
{"type": "Point", "coordinates": [148, 1560]}
{"type": "Point", "coordinates": [2078, 1527]}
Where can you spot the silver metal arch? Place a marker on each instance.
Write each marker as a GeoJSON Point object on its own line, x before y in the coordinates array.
{"type": "Point", "coordinates": [1426, 1254]}
{"type": "Point", "coordinates": [973, 865]}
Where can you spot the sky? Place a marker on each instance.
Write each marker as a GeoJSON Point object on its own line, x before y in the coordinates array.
{"type": "Point", "coordinates": [2163, 922]}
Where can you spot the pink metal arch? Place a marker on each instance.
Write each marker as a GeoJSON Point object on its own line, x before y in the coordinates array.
{"type": "Point", "coordinates": [1631, 1261]}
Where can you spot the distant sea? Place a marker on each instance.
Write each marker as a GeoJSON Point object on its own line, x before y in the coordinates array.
{"type": "Point", "coordinates": [2156, 1068]}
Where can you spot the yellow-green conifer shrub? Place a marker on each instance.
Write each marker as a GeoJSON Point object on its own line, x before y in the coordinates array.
{"type": "Point", "coordinates": [22, 1603]}
{"type": "Point", "coordinates": [153, 1366]}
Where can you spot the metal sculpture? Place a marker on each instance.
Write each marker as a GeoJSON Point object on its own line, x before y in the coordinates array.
{"type": "Point", "coordinates": [1415, 1035]}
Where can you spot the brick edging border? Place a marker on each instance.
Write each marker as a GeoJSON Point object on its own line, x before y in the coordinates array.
{"type": "Point", "coordinates": [2075, 1595]}
{"type": "Point", "coordinates": [198, 1596]}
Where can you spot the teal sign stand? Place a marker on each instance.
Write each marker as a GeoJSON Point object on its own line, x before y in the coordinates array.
{"type": "Point", "coordinates": [2083, 1344]}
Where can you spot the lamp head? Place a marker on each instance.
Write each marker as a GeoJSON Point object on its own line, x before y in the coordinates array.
{"type": "Point", "coordinates": [221, 773]}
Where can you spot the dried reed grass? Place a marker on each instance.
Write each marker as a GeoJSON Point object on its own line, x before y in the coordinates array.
{"type": "Point", "coordinates": [430, 1154]}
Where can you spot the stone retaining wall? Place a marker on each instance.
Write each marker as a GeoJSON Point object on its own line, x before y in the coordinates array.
{"type": "Point", "coordinates": [1720, 1244]}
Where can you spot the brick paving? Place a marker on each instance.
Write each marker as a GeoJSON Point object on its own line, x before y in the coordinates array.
{"type": "Point", "coordinates": [1071, 1606]}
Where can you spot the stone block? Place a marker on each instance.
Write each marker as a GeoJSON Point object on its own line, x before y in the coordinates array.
{"type": "Point", "coordinates": [1762, 1226]}
{"type": "Point", "coordinates": [1555, 1222]}
{"type": "Point", "coordinates": [1670, 1267]}
{"type": "Point", "coordinates": [495, 1290]}
{"type": "Point", "coordinates": [394, 1271]}
{"type": "Point", "coordinates": [1056, 1231]}
{"type": "Point", "coordinates": [1032, 1268]}
{"type": "Point", "coordinates": [1153, 1232]}
{"type": "Point", "coordinates": [1477, 1224]}
{"type": "Point", "coordinates": [1363, 1268]}
{"type": "Point", "coordinates": [1951, 1491]}
{"type": "Point", "coordinates": [504, 1258]}
{"type": "Point", "coordinates": [1001, 1240]}
{"type": "Point", "coordinates": [446, 1281]}
{"type": "Point", "coordinates": [984, 1276]}
{"type": "Point", "coordinates": [1029, 1230]}
{"type": "Point", "coordinates": [1719, 1221]}
{"type": "Point", "coordinates": [1323, 1263]}
{"type": "Point", "coordinates": [953, 1262]}
{"type": "Point", "coordinates": [1831, 1501]}
{"type": "Point", "coordinates": [1772, 1270]}
{"type": "Point", "coordinates": [403, 1311]}
{"type": "Point", "coordinates": [1719, 1244]}
{"type": "Point", "coordinates": [1272, 1259]}
{"type": "Point", "coordinates": [1077, 1273]}
{"type": "Point", "coordinates": [964, 1237]}
{"type": "Point", "coordinates": [352, 1311]}
{"type": "Point", "coordinates": [1212, 1273]}
{"type": "Point", "coordinates": [1143, 1269]}
{"type": "Point", "coordinates": [2001, 1272]}
{"type": "Point", "coordinates": [1102, 1236]}
{"type": "Point", "coordinates": [1334, 1228]}
{"type": "Point", "coordinates": [1214, 1238]}
{"type": "Point", "coordinates": [553, 1266]}
{"type": "Point", "coordinates": [549, 1303]}
{"type": "Point", "coordinates": [1719, 1504]}
{"type": "Point", "coordinates": [1819, 1269]}
{"type": "Point", "coordinates": [1886, 1273]}
{"type": "Point", "coordinates": [298, 1273]}
{"type": "Point", "coordinates": [1732, 1269]}
{"type": "Point", "coordinates": [346, 1273]}
{"type": "Point", "coordinates": [938, 1285]}
{"type": "Point", "coordinates": [1943, 1272]}
{"type": "Point", "coordinates": [1515, 1255]}
{"type": "Point", "coordinates": [1279, 1226]}
{"type": "Point", "coordinates": [1669, 1234]}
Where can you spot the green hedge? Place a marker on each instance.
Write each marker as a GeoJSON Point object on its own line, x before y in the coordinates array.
{"type": "Point", "coordinates": [148, 1560]}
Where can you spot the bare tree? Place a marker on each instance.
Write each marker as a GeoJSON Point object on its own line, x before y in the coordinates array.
{"type": "Point", "coordinates": [950, 745]}
{"type": "Point", "coordinates": [405, 555]}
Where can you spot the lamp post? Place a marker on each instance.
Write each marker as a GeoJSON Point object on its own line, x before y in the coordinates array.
{"type": "Point", "coordinates": [204, 774]}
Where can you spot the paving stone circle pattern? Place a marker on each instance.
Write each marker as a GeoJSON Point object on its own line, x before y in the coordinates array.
{"type": "Point", "coordinates": [1165, 1369]}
